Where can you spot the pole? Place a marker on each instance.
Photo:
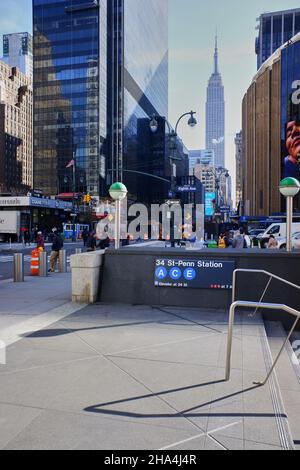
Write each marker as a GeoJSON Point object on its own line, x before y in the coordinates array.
{"type": "Point", "coordinates": [289, 221]}
{"type": "Point", "coordinates": [19, 267]}
{"type": "Point", "coordinates": [73, 201]}
{"type": "Point", "coordinates": [117, 224]}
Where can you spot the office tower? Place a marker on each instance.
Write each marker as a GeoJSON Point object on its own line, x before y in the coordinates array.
{"type": "Point", "coordinates": [215, 114]}
{"type": "Point", "coordinates": [100, 70]}
{"type": "Point", "coordinates": [275, 29]}
{"type": "Point", "coordinates": [201, 157]}
{"type": "Point", "coordinates": [17, 52]}
{"type": "Point", "coordinates": [15, 131]}
{"type": "Point", "coordinates": [139, 90]}
{"type": "Point", "coordinates": [70, 95]}
{"type": "Point", "coordinates": [239, 168]}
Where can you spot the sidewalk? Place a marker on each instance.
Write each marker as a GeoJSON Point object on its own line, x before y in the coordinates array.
{"type": "Point", "coordinates": [137, 377]}
{"type": "Point", "coordinates": [34, 303]}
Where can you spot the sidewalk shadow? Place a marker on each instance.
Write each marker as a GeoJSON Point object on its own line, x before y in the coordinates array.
{"type": "Point", "coordinates": [187, 413]}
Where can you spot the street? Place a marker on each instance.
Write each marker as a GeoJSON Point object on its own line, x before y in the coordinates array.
{"type": "Point", "coordinates": [7, 255]}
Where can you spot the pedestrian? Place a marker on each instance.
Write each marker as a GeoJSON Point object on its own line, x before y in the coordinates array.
{"type": "Point", "coordinates": [273, 243]}
{"type": "Point", "coordinates": [85, 236]}
{"type": "Point", "coordinates": [227, 239]}
{"type": "Point", "coordinates": [40, 241]}
{"type": "Point", "coordinates": [247, 239]}
{"type": "Point", "coordinates": [27, 238]}
{"type": "Point", "coordinates": [57, 246]}
{"type": "Point", "coordinates": [239, 240]}
{"type": "Point", "coordinates": [91, 243]}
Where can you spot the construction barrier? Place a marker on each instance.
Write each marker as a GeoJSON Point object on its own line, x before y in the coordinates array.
{"type": "Point", "coordinates": [35, 261]}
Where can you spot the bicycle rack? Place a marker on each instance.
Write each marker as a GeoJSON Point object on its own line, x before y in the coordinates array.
{"type": "Point", "coordinates": [258, 305]}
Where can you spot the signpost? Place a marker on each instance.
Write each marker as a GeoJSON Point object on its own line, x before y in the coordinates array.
{"type": "Point", "coordinates": [194, 274]}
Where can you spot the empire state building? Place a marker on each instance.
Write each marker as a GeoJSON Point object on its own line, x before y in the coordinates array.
{"type": "Point", "coordinates": [215, 114]}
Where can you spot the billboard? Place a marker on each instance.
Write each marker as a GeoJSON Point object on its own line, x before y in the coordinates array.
{"type": "Point", "coordinates": [290, 112]}
{"type": "Point", "coordinates": [209, 204]}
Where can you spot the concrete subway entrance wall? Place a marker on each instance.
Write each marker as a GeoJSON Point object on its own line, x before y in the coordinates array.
{"type": "Point", "coordinates": [128, 277]}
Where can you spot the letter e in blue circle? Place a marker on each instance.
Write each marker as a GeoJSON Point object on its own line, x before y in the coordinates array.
{"type": "Point", "coordinates": [190, 274]}
{"type": "Point", "coordinates": [161, 273]}
{"type": "Point", "coordinates": [175, 274]}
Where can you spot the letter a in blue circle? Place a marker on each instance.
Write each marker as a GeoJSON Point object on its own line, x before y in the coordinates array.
{"type": "Point", "coordinates": [175, 274]}
{"type": "Point", "coordinates": [190, 274]}
{"type": "Point", "coordinates": [161, 273]}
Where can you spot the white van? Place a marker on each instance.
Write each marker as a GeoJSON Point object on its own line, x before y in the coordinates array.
{"type": "Point", "coordinates": [278, 230]}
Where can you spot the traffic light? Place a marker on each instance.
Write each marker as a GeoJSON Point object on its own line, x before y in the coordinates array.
{"type": "Point", "coordinates": [87, 199]}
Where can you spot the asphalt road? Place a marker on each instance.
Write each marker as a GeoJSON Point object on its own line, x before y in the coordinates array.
{"type": "Point", "coordinates": [6, 257]}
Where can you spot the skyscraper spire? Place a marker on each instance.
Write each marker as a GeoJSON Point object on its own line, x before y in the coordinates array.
{"type": "Point", "coordinates": [216, 71]}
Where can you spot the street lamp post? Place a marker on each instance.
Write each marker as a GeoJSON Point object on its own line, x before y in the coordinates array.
{"type": "Point", "coordinates": [289, 188]}
{"type": "Point", "coordinates": [118, 192]}
{"type": "Point", "coordinates": [192, 122]}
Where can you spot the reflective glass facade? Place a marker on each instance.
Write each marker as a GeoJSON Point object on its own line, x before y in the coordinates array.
{"type": "Point", "coordinates": [142, 48]}
{"type": "Point", "coordinates": [70, 94]}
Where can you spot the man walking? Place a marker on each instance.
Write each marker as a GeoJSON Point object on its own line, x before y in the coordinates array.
{"type": "Point", "coordinates": [57, 246]}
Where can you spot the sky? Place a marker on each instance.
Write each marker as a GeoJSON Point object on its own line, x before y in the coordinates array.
{"type": "Point", "coordinates": [192, 28]}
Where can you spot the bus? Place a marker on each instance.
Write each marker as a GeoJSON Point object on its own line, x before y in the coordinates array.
{"type": "Point", "coordinates": [79, 229]}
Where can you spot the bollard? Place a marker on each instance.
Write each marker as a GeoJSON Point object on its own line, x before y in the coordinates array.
{"type": "Point", "coordinates": [63, 261]}
{"type": "Point", "coordinates": [78, 251]}
{"type": "Point", "coordinates": [19, 267]}
{"type": "Point", "coordinates": [43, 264]}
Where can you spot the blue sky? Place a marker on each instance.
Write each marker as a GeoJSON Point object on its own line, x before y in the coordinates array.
{"type": "Point", "coordinates": [192, 29]}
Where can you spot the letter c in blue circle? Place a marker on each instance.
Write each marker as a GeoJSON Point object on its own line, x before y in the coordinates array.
{"type": "Point", "coordinates": [175, 274]}
{"type": "Point", "coordinates": [161, 273]}
{"type": "Point", "coordinates": [190, 274]}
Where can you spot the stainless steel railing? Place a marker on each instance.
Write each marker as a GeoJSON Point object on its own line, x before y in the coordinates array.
{"type": "Point", "coordinates": [233, 308]}
{"type": "Point", "coordinates": [258, 305]}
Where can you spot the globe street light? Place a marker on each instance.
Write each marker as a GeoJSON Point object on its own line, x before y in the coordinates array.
{"type": "Point", "coordinates": [118, 193]}
{"type": "Point", "coordinates": [289, 188]}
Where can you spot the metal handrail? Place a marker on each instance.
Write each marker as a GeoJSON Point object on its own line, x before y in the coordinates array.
{"type": "Point", "coordinates": [260, 271]}
{"type": "Point", "coordinates": [269, 306]}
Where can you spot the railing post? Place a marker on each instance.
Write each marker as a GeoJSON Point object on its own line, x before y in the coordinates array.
{"type": "Point", "coordinates": [229, 341]}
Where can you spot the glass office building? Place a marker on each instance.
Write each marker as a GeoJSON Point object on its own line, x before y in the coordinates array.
{"type": "Point", "coordinates": [139, 38]}
{"type": "Point", "coordinates": [100, 74]}
{"type": "Point", "coordinates": [70, 94]}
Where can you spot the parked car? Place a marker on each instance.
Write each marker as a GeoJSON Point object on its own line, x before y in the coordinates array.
{"type": "Point", "coordinates": [295, 242]}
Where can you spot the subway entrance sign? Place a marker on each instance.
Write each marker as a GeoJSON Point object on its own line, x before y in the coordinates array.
{"type": "Point", "coordinates": [194, 274]}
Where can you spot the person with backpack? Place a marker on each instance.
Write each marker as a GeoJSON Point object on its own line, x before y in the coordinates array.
{"type": "Point", "coordinates": [57, 246]}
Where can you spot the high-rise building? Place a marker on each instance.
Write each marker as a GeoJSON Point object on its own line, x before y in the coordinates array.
{"type": "Point", "coordinates": [139, 84]}
{"type": "Point", "coordinates": [201, 157]}
{"type": "Point", "coordinates": [18, 52]}
{"type": "Point", "coordinates": [15, 131]}
{"type": "Point", "coordinates": [215, 114]}
{"type": "Point", "coordinates": [100, 74]}
{"type": "Point", "coordinates": [275, 29]}
{"type": "Point", "coordinates": [239, 168]}
{"type": "Point", "coordinates": [70, 94]}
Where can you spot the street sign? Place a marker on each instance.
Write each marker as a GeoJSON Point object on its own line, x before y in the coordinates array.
{"type": "Point", "coordinates": [194, 274]}
{"type": "Point", "coordinates": [225, 209]}
{"type": "Point", "coordinates": [172, 202]}
{"type": "Point", "coordinates": [187, 189]}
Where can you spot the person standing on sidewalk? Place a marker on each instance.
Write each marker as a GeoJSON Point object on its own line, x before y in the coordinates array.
{"type": "Point", "coordinates": [57, 246]}
{"type": "Point", "coordinates": [40, 241]}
